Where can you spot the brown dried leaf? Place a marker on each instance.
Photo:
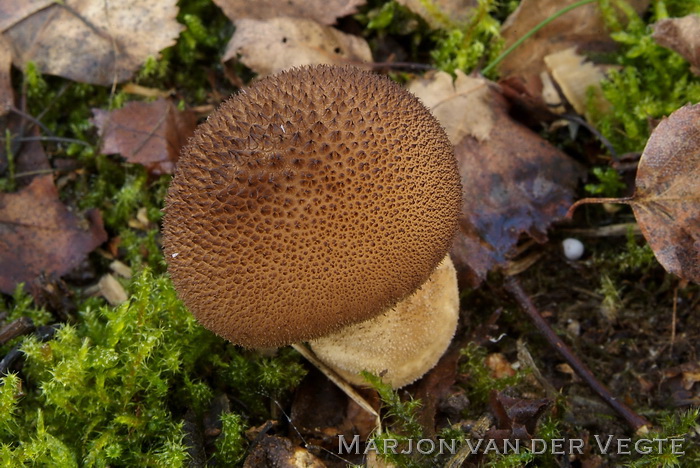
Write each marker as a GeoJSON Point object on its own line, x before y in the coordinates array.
{"type": "Point", "coordinates": [12, 11]}
{"type": "Point", "coordinates": [322, 11]}
{"type": "Point", "coordinates": [666, 201]}
{"type": "Point", "coordinates": [681, 35]}
{"type": "Point", "coordinates": [519, 416]}
{"type": "Point", "coordinates": [89, 41]}
{"type": "Point", "coordinates": [150, 134]}
{"type": "Point", "coordinates": [6, 95]}
{"type": "Point", "coordinates": [443, 13]}
{"type": "Point", "coordinates": [270, 46]}
{"type": "Point", "coordinates": [582, 27]}
{"type": "Point", "coordinates": [513, 180]}
{"type": "Point", "coordinates": [39, 235]}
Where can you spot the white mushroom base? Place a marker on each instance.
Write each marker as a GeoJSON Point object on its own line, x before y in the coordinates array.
{"type": "Point", "coordinates": [405, 342]}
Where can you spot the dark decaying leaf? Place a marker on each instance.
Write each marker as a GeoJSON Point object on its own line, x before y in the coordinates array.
{"type": "Point", "coordinates": [435, 389]}
{"type": "Point", "coordinates": [278, 452]}
{"type": "Point", "coordinates": [88, 41]}
{"type": "Point", "coordinates": [513, 182]}
{"type": "Point", "coordinates": [322, 11]}
{"type": "Point", "coordinates": [666, 201]}
{"type": "Point", "coordinates": [39, 235]}
{"type": "Point", "coordinates": [321, 412]}
{"type": "Point", "coordinates": [516, 417]}
{"type": "Point", "coordinates": [150, 134]}
{"type": "Point", "coordinates": [681, 35]}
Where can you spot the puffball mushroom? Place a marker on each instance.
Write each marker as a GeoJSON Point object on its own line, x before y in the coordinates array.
{"type": "Point", "coordinates": [312, 200]}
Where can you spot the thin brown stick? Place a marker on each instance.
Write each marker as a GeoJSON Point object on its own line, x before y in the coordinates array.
{"type": "Point", "coordinates": [640, 424]}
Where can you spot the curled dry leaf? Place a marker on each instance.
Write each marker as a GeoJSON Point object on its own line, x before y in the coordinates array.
{"type": "Point", "coordinates": [39, 235]}
{"type": "Point", "coordinates": [270, 46]}
{"type": "Point", "coordinates": [6, 95]}
{"type": "Point", "coordinates": [322, 11]}
{"type": "Point", "coordinates": [666, 200]}
{"type": "Point", "coordinates": [576, 77]}
{"type": "Point", "coordinates": [513, 181]}
{"type": "Point", "coordinates": [441, 13]}
{"type": "Point", "coordinates": [681, 35]}
{"type": "Point", "coordinates": [150, 133]}
{"type": "Point", "coordinates": [92, 42]}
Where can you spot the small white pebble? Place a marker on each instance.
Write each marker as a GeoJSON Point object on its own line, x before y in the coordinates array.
{"type": "Point", "coordinates": [283, 130]}
{"type": "Point", "coordinates": [175, 255]}
{"type": "Point", "coordinates": [573, 248]}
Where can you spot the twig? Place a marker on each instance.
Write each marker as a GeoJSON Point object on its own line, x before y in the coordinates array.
{"type": "Point", "coordinates": [640, 424]}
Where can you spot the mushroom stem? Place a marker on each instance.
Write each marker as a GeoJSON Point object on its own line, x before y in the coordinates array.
{"type": "Point", "coordinates": [403, 343]}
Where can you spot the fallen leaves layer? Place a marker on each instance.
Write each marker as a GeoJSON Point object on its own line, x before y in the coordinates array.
{"type": "Point", "coordinates": [40, 236]}
{"type": "Point", "coordinates": [513, 181]}
{"type": "Point", "coordinates": [666, 200]}
{"type": "Point", "coordinates": [150, 134]}
{"type": "Point", "coordinates": [88, 41]}
{"type": "Point", "coordinates": [681, 35]}
{"type": "Point", "coordinates": [270, 46]}
{"type": "Point", "coordinates": [322, 11]}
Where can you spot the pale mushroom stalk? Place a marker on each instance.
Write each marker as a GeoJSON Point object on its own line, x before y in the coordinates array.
{"type": "Point", "coordinates": [315, 200]}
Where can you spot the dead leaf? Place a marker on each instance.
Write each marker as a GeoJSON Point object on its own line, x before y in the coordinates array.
{"type": "Point", "coordinates": [666, 200]}
{"type": "Point", "coordinates": [582, 28]}
{"type": "Point", "coordinates": [441, 13]}
{"type": "Point", "coordinates": [39, 235]}
{"type": "Point", "coordinates": [518, 416]}
{"type": "Point", "coordinates": [6, 94]}
{"type": "Point", "coordinates": [280, 453]}
{"type": "Point", "coordinates": [322, 11]}
{"type": "Point", "coordinates": [270, 46]}
{"type": "Point", "coordinates": [147, 133]}
{"type": "Point", "coordinates": [681, 35]}
{"type": "Point", "coordinates": [513, 181]}
{"type": "Point", "coordinates": [459, 105]}
{"type": "Point", "coordinates": [30, 159]}
{"type": "Point", "coordinates": [12, 11]}
{"type": "Point", "coordinates": [90, 41]}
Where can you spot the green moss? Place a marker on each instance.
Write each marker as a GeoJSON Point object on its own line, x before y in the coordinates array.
{"type": "Point", "coordinates": [467, 46]}
{"type": "Point", "coordinates": [101, 392]}
{"type": "Point", "coordinates": [652, 81]}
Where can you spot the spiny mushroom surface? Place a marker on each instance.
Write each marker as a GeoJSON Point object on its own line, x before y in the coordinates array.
{"type": "Point", "coordinates": [311, 200]}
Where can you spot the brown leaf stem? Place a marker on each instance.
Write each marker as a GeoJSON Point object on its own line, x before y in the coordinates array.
{"type": "Point", "coordinates": [640, 424]}
{"type": "Point", "coordinates": [587, 201]}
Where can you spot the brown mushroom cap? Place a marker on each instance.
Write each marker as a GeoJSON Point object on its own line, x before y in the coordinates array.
{"type": "Point", "coordinates": [311, 200]}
